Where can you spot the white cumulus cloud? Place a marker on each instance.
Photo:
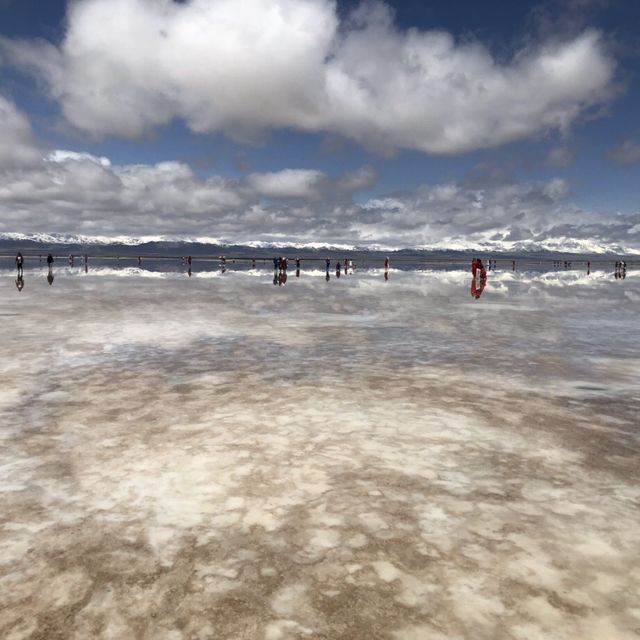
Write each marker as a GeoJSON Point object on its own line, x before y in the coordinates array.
{"type": "Point", "coordinates": [18, 146]}
{"type": "Point", "coordinates": [244, 67]}
{"type": "Point", "coordinates": [73, 192]}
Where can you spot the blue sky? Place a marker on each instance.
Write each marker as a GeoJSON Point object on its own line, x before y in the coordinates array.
{"type": "Point", "coordinates": [560, 135]}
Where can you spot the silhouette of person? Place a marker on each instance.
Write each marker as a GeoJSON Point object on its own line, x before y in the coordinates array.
{"type": "Point", "coordinates": [19, 263]}
{"type": "Point", "coordinates": [189, 261]}
{"type": "Point", "coordinates": [328, 263]}
{"type": "Point", "coordinates": [70, 260]}
{"type": "Point", "coordinates": [386, 262]}
{"type": "Point", "coordinates": [477, 286]}
{"type": "Point", "coordinates": [298, 263]}
{"type": "Point", "coordinates": [338, 269]}
{"type": "Point", "coordinates": [50, 274]}
{"type": "Point", "coordinates": [20, 282]}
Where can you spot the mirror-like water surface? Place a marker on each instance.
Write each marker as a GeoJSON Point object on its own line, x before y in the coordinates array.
{"type": "Point", "coordinates": [378, 455]}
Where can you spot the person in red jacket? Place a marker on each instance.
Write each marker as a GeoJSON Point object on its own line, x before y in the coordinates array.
{"type": "Point", "coordinates": [476, 265]}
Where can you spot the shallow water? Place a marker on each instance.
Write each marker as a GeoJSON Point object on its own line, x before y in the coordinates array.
{"type": "Point", "coordinates": [218, 457]}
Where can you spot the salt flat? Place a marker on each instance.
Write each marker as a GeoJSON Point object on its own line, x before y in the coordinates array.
{"type": "Point", "coordinates": [218, 457]}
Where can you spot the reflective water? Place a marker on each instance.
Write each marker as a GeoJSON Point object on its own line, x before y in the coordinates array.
{"type": "Point", "coordinates": [365, 457]}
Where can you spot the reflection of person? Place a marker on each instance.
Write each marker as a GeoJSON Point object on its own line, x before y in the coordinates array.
{"type": "Point", "coordinates": [478, 285]}
{"type": "Point", "coordinates": [327, 277]}
{"type": "Point", "coordinates": [19, 263]}
{"type": "Point", "coordinates": [20, 282]}
{"type": "Point", "coordinates": [50, 278]}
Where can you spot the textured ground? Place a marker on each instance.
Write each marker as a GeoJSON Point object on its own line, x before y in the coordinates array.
{"type": "Point", "coordinates": [218, 458]}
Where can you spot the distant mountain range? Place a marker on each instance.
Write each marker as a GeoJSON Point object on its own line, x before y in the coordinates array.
{"type": "Point", "coordinates": [126, 246]}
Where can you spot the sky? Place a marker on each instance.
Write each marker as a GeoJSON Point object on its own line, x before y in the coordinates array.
{"type": "Point", "coordinates": [437, 124]}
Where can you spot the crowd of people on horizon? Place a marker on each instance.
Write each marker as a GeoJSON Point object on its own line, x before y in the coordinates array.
{"type": "Point", "coordinates": [281, 265]}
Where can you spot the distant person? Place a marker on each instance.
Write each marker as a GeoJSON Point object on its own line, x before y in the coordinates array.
{"type": "Point", "coordinates": [19, 263]}
{"type": "Point", "coordinates": [621, 269]}
{"type": "Point", "coordinates": [50, 260]}
{"type": "Point", "coordinates": [20, 282]}
{"type": "Point", "coordinates": [386, 262]}
{"type": "Point", "coordinates": [70, 260]}
{"type": "Point", "coordinates": [477, 266]}
{"type": "Point", "coordinates": [328, 264]}
{"type": "Point", "coordinates": [338, 269]}
{"type": "Point", "coordinates": [297, 263]}
{"type": "Point", "coordinates": [276, 263]}
{"type": "Point", "coordinates": [189, 261]}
